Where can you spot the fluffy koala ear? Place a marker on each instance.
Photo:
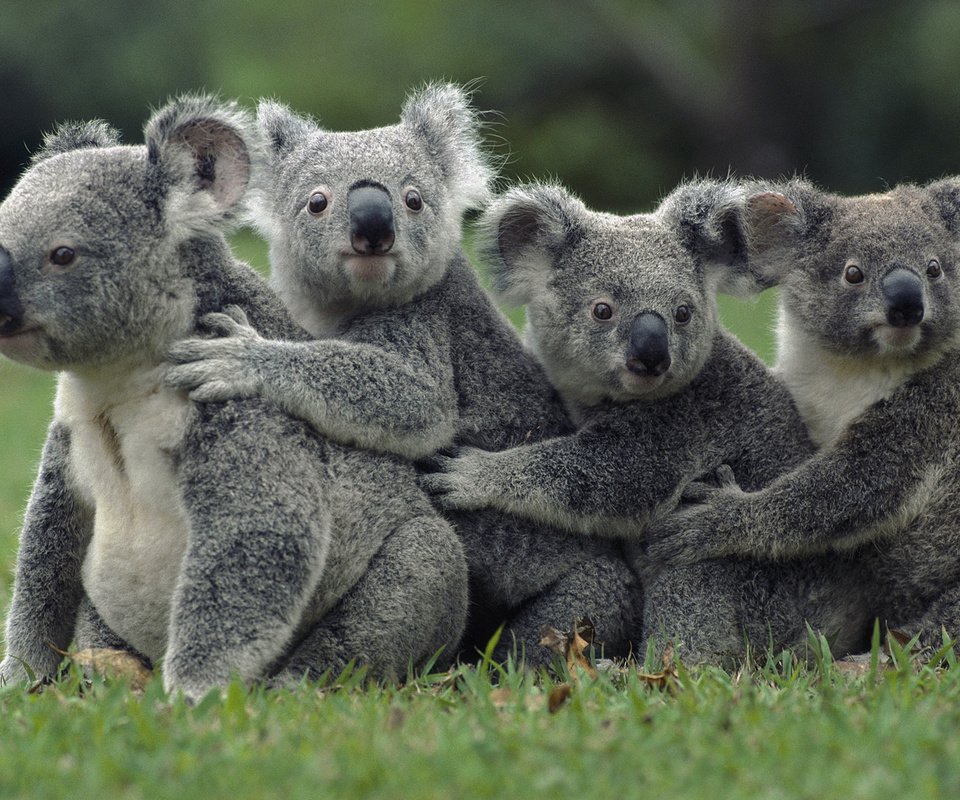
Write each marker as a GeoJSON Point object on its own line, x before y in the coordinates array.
{"type": "Point", "coordinates": [282, 129]}
{"type": "Point", "coordinates": [442, 116]}
{"type": "Point", "coordinates": [775, 219]}
{"type": "Point", "coordinates": [521, 234]}
{"type": "Point", "coordinates": [946, 197]}
{"type": "Point", "coordinates": [76, 136]}
{"type": "Point", "coordinates": [199, 150]}
{"type": "Point", "coordinates": [708, 217]}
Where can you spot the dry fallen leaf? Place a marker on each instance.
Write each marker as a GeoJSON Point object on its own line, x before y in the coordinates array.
{"type": "Point", "coordinates": [113, 665]}
{"type": "Point", "coordinates": [573, 646]}
{"type": "Point", "coordinates": [558, 696]}
{"type": "Point", "coordinates": [666, 678]}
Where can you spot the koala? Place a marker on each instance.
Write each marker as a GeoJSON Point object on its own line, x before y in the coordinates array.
{"type": "Point", "coordinates": [409, 354]}
{"type": "Point", "coordinates": [622, 313]}
{"type": "Point", "coordinates": [225, 539]}
{"type": "Point", "coordinates": [868, 340]}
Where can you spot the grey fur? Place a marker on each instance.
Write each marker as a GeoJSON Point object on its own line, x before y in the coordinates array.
{"type": "Point", "coordinates": [882, 401]}
{"type": "Point", "coordinates": [227, 539]}
{"type": "Point", "coordinates": [416, 359]}
{"type": "Point", "coordinates": [643, 436]}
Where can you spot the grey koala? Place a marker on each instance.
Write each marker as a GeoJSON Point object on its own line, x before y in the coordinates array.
{"type": "Point", "coordinates": [869, 334]}
{"type": "Point", "coordinates": [410, 355]}
{"type": "Point", "coordinates": [622, 313]}
{"type": "Point", "coordinates": [227, 539]}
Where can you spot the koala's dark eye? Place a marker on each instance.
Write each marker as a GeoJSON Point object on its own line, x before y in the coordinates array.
{"type": "Point", "coordinates": [413, 200]}
{"type": "Point", "coordinates": [602, 311]}
{"type": "Point", "coordinates": [933, 268]}
{"type": "Point", "coordinates": [853, 274]}
{"type": "Point", "coordinates": [682, 315]}
{"type": "Point", "coordinates": [318, 203]}
{"type": "Point", "coordinates": [62, 256]}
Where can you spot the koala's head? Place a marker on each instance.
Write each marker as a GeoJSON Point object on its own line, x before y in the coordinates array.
{"type": "Point", "coordinates": [91, 236]}
{"type": "Point", "coordinates": [618, 308]}
{"type": "Point", "coordinates": [369, 218]}
{"type": "Point", "coordinates": [870, 277]}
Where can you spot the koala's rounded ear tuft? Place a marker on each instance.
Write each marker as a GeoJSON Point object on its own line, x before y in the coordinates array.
{"type": "Point", "coordinates": [282, 129]}
{"type": "Point", "coordinates": [76, 136]}
{"type": "Point", "coordinates": [450, 128]}
{"type": "Point", "coordinates": [708, 218]}
{"type": "Point", "coordinates": [201, 149]}
{"type": "Point", "coordinates": [521, 235]}
{"type": "Point", "coordinates": [946, 197]}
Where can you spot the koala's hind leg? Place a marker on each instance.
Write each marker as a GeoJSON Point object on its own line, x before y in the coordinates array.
{"type": "Point", "coordinates": [601, 587]}
{"type": "Point", "coordinates": [410, 604]}
{"type": "Point", "coordinates": [712, 611]}
{"type": "Point", "coordinates": [942, 615]}
{"type": "Point", "coordinates": [697, 610]}
{"type": "Point", "coordinates": [92, 633]}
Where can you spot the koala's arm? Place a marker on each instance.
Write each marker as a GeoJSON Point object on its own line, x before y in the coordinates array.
{"type": "Point", "coordinates": [598, 481]}
{"type": "Point", "coordinates": [873, 481]}
{"type": "Point", "coordinates": [392, 394]}
{"type": "Point", "coordinates": [47, 585]}
{"type": "Point", "coordinates": [259, 535]}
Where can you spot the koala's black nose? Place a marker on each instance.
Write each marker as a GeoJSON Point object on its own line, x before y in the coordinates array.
{"type": "Point", "coordinates": [903, 292]}
{"type": "Point", "coordinates": [11, 309]}
{"type": "Point", "coordinates": [371, 220]}
{"type": "Point", "coordinates": [649, 350]}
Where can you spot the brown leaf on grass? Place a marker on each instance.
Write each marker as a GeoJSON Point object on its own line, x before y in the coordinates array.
{"type": "Point", "coordinates": [574, 646]}
{"type": "Point", "coordinates": [666, 678]}
{"type": "Point", "coordinates": [113, 665]}
{"type": "Point", "coordinates": [558, 696]}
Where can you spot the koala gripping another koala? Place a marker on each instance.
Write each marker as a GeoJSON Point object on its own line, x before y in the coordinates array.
{"type": "Point", "coordinates": [226, 539]}
{"type": "Point", "coordinates": [410, 353]}
{"type": "Point", "coordinates": [622, 313]}
{"type": "Point", "coordinates": [869, 336]}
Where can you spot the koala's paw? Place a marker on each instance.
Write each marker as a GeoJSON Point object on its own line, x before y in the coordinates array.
{"type": "Point", "coordinates": [456, 482]}
{"type": "Point", "coordinates": [218, 369]}
{"type": "Point", "coordinates": [682, 538]}
{"type": "Point", "coordinates": [704, 490]}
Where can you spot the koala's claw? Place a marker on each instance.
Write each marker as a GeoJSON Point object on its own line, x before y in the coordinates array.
{"type": "Point", "coordinates": [696, 493]}
{"type": "Point", "coordinates": [232, 321]}
{"type": "Point", "coordinates": [725, 477]}
{"type": "Point", "coordinates": [440, 461]}
{"type": "Point", "coordinates": [450, 482]}
{"type": "Point", "coordinates": [212, 381]}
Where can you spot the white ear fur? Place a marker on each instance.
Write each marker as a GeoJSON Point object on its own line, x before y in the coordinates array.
{"type": "Point", "coordinates": [281, 128]}
{"type": "Point", "coordinates": [442, 116]}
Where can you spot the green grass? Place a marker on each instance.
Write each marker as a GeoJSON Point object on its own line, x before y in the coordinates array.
{"type": "Point", "coordinates": [777, 732]}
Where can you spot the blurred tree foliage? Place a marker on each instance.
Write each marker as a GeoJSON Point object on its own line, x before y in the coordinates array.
{"type": "Point", "coordinates": [619, 99]}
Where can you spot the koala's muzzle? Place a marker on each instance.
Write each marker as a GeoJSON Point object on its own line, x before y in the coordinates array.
{"type": "Point", "coordinates": [11, 309]}
{"type": "Point", "coordinates": [648, 352]}
{"type": "Point", "coordinates": [902, 291]}
{"type": "Point", "coordinates": [371, 220]}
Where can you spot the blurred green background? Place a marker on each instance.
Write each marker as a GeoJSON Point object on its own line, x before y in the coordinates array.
{"type": "Point", "coordinates": [619, 100]}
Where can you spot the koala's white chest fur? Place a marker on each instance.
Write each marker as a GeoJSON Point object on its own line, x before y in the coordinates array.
{"type": "Point", "coordinates": [125, 431]}
{"type": "Point", "coordinates": [831, 391]}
